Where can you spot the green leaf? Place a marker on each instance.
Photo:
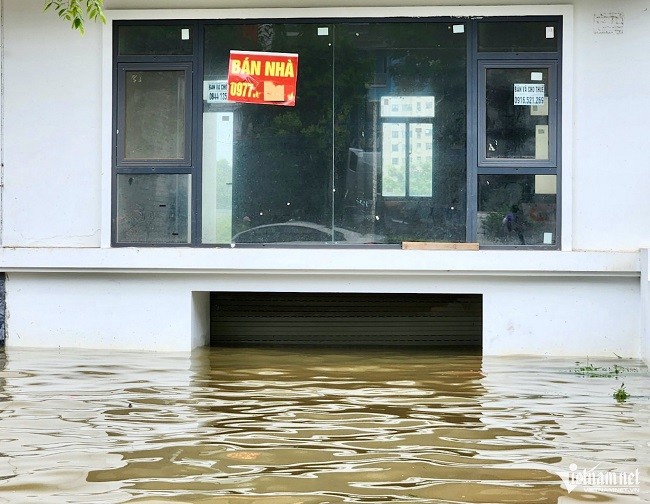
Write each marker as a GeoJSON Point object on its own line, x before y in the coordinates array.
{"type": "Point", "coordinates": [76, 11]}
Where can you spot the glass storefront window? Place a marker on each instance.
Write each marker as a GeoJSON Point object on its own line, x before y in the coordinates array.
{"type": "Point", "coordinates": [379, 114]}
{"type": "Point", "coordinates": [385, 136]}
{"type": "Point", "coordinates": [400, 108]}
{"type": "Point", "coordinates": [517, 210]}
{"type": "Point", "coordinates": [268, 164]}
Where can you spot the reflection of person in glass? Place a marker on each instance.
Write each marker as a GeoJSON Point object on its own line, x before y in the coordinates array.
{"type": "Point", "coordinates": [513, 223]}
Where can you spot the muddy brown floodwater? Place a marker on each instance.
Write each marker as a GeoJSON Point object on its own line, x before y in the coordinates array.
{"type": "Point", "coordinates": [317, 425]}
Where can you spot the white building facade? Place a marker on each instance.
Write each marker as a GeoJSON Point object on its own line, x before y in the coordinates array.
{"type": "Point", "coordinates": [130, 193]}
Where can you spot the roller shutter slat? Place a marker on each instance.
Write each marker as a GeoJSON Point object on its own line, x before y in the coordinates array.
{"type": "Point", "coordinates": [356, 319]}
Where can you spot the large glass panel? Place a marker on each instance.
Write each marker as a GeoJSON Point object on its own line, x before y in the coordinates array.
{"type": "Point", "coordinates": [518, 36]}
{"type": "Point", "coordinates": [153, 208]}
{"type": "Point", "coordinates": [517, 210]}
{"type": "Point", "coordinates": [154, 105]}
{"type": "Point", "coordinates": [517, 113]}
{"type": "Point", "coordinates": [400, 126]}
{"type": "Point", "coordinates": [267, 164]}
{"type": "Point", "coordinates": [154, 40]}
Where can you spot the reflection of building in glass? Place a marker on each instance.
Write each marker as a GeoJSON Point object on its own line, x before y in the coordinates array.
{"type": "Point", "coordinates": [407, 159]}
{"type": "Point", "coordinates": [408, 106]}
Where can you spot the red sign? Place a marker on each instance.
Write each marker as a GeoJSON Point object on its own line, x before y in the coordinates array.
{"type": "Point", "coordinates": [262, 77]}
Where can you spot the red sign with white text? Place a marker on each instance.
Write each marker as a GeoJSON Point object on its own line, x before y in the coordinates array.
{"type": "Point", "coordinates": [263, 77]}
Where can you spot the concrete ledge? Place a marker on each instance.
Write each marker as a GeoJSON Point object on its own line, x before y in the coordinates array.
{"type": "Point", "coordinates": [320, 261]}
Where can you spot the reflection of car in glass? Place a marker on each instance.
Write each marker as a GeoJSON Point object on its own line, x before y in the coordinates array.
{"type": "Point", "coordinates": [303, 232]}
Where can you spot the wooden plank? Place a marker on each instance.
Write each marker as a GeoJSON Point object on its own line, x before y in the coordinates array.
{"type": "Point", "coordinates": [438, 246]}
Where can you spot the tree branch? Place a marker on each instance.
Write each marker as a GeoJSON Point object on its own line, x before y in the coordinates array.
{"type": "Point", "coordinates": [75, 11]}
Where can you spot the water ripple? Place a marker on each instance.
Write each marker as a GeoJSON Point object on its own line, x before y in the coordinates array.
{"type": "Point", "coordinates": [310, 426]}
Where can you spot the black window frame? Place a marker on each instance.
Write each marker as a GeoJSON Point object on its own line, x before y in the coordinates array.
{"type": "Point", "coordinates": [517, 63]}
{"type": "Point", "coordinates": [475, 118]}
{"type": "Point", "coordinates": [477, 165]}
{"type": "Point", "coordinates": [191, 162]}
{"type": "Point", "coordinates": [121, 161]}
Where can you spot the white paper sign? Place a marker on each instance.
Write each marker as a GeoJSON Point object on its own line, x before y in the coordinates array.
{"type": "Point", "coordinates": [215, 91]}
{"type": "Point", "coordinates": [529, 94]}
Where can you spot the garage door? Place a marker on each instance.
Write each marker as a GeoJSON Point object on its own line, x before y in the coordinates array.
{"type": "Point", "coordinates": [247, 318]}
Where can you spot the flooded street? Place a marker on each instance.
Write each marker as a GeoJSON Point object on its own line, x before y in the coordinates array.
{"type": "Point", "coordinates": [316, 425]}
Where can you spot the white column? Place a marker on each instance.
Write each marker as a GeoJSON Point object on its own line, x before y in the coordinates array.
{"type": "Point", "coordinates": [645, 304]}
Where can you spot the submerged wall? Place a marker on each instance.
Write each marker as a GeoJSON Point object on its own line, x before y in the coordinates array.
{"type": "Point", "coordinates": [544, 303]}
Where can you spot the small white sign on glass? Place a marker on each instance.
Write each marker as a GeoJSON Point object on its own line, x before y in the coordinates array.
{"type": "Point", "coordinates": [529, 94]}
{"type": "Point", "coordinates": [215, 91]}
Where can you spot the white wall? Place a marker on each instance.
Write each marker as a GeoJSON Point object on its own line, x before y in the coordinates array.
{"type": "Point", "coordinates": [611, 172]}
{"type": "Point", "coordinates": [94, 311]}
{"type": "Point", "coordinates": [170, 311]}
{"type": "Point", "coordinates": [52, 127]}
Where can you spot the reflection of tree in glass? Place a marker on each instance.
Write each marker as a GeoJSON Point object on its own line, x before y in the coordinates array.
{"type": "Point", "coordinates": [393, 180]}
{"type": "Point", "coordinates": [510, 211]}
{"type": "Point", "coordinates": [223, 190]}
{"type": "Point", "coordinates": [420, 178]}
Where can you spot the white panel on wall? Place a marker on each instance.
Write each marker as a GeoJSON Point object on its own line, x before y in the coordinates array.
{"type": "Point", "coordinates": [52, 124]}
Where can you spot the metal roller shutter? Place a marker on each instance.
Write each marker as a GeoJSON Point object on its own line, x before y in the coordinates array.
{"type": "Point", "coordinates": [250, 318]}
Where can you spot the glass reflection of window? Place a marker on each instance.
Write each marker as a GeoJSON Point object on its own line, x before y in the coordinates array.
{"type": "Point", "coordinates": [407, 175]}
{"type": "Point", "coordinates": [420, 164]}
{"type": "Point", "coordinates": [394, 168]}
